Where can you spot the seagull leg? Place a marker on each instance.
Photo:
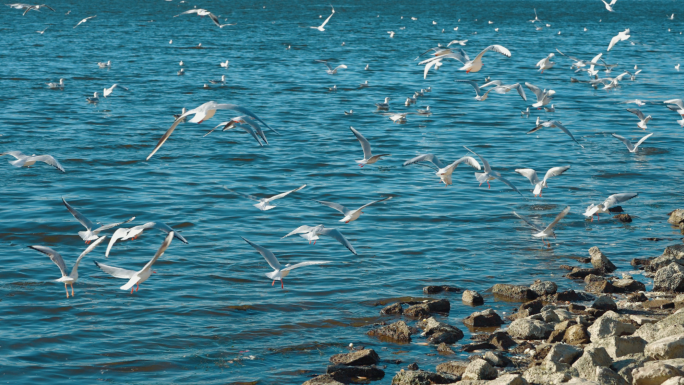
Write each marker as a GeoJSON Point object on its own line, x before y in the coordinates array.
{"type": "Point", "coordinates": [282, 285]}
{"type": "Point", "coordinates": [488, 186]}
{"type": "Point", "coordinates": [273, 283]}
{"type": "Point", "coordinates": [72, 289]}
{"type": "Point", "coordinates": [65, 289]}
{"type": "Point", "coordinates": [131, 289]}
{"type": "Point", "coordinates": [314, 242]}
{"type": "Point", "coordinates": [137, 285]}
{"type": "Point", "coordinates": [360, 165]}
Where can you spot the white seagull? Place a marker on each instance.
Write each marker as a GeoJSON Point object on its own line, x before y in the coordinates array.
{"type": "Point", "coordinates": [622, 36]}
{"type": "Point", "coordinates": [84, 20]}
{"type": "Point", "coordinates": [459, 42]}
{"type": "Point", "coordinates": [225, 65]}
{"type": "Point", "coordinates": [43, 31]}
{"type": "Point", "coordinates": [245, 123]}
{"type": "Point", "coordinates": [543, 97]}
{"type": "Point", "coordinates": [349, 215]}
{"type": "Point", "coordinates": [107, 64]}
{"type": "Point", "coordinates": [108, 91]}
{"type": "Point", "coordinates": [490, 174]}
{"type": "Point", "coordinates": [609, 7]}
{"type": "Point", "coordinates": [322, 26]}
{"type": "Point", "coordinates": [535, 16]}
{"type": "Point", "coordinates": [506, 88]}
{"type": "Point", "coordinates": [94, 99]}
{"type": "Point", "coordinates": [312, 234]}
{"type": "Point", "coordinates": [31, 7]}
{"type": "Point", "coordinates": [469, 65]}
{"type": "Point", "coordinates": [135, 278]}
{"type": "Point", "coordinates": [548, 231]}
{"type": "Point", "coordinates": [26, 161]}
{"type": "Point", "coordinates": [478, 90]}
{"type": "Point", "coordinates": [203, 12]}
{"type": "Point", "coordinates": [604, 208]}
{"type": "Point", "coordinates": [539, 185]}
{"type": "Point", "coordinates": [72, 277]}
{"type": "Point", "coordinates": [279, 271]}
{"type": "Point", "coordinates": [133, 233]}
{"type": "Point", "coordinates": [444, 172]}
{"type": "Point", "coordinates": [391, 33]}
{"type": "Point", "coordinates": [56, 86]}
{"type": "Point", "coordinates": [643, 120]}
{"type": "Point", "coordinates": [384, 106]}
{"type": "Point", "coordinates": [90, 234]}
{"type": "Point", "coordinates": [551, 124]}
{"type": "Point", "coordinates": [368, 157]}
{"type": "Point", "coordinates": [265, 203]}
{"type": "Point", "coordinates": [632, 147]}
{"type": "Point", "coordinates": [330, 70]}
{"type": "Point", "coordinates": [545, 63]}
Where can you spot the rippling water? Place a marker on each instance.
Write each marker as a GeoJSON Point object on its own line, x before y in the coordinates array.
{"type": "Point", "coordinates": [209, 315]}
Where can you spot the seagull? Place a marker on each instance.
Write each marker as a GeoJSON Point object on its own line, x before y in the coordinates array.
{"type": "Point", "coordinates": [632, 147]}
{"type": "Point", "coordinates": [246, 123]}
{"type": "Point", "coordinates": [91, 234]}
{"type": "Point", "coordinates": [94, 99]}
{"type": "Point", "coordinates": [671, 17]}
{"type": "Point", "coordinates": [364, 85]}
{"type": "Point", "coordinates": [546, 63]}
{"type": "Point", "coordinates": [72, 277]}
{"type": "Point", "coordinates": [548, 231]}
{"type": "Point", "coordinates": [478, 90]}
{"type": "Point", "coordinates": [635, 101]}
{"type": "Point", "coordinates": [676, 105]}
{"type": "Point", "coordinates": [202, 113]}
{"type": "Point", "coordinates": [350, 112]}
{"type": "Point", "coordinates": [443, 171]}
{"type": "Point", "coordinates": [26, 161]}
{"type": "Point", "coordinates": [539, 185]}
{"type": "Point", "coordinates": [84, 20]}
{"type": "Point", "coordinates": [265, 203]}
{"type": "Point", "coordinates": [490, 174]}
{"type": "Point", "coordinates": [399, 118]}
{"type": "Point", "coordinates": [222, 81]}
{"type": "Point", "coordinates": [330, 70]}
{"type": "Point", "coordinates": [504, 89]}
{"type": "Point", "coordinates": [279, 271]}
{"type": "Point", "coordinates": [469, 65]}
{"type": "Point", "coordinates": [426, 111]}
{"type": "Point", "coordinates": [383, 106]}
{"type": "Point", "coordinates": [677, 67]}
{"type": "Point", "coordinates": [55, 86]}
{"type": "Point", "coordinates": [43, 31]}
{"type": "Point", "coordinates": [311, 234]}
{"type": "Point", "coordinates": [333, 88]}
{"type": "Point", "coordinates": [525, 113]}
{"type": "Point", "coordinates": [349, 215]}
{"type": "Point", "coordinates": [203, 12]}
{"type": "Point", "coordinates": [550, 109]}
{"type": "Point", "coordinates": [459, 42]}
{"type": "Point", "coordinates": [28, 7]}
{"type": "Point", "coordinates": [368, 157]}
{"type": "Point", "coordinates": [181, 72]}
{"type": "Point", "coordinates": [134, 232]}
{"type": "Point", "coordinates": [391, 33]}
{"type": "Point", "coordinates": [543, 97]}
{"type": "Point", "coordinates": [609, 7]}
{"type": "Point", "coordinates": [105, 65]}
{"type": "Point", "coordinates": [322, 26]}
{"type": "Point", "coordinates": [535, 16]}
{"type": "Point", "coordinates": [225, 65]}
{"type": "Point", "coordinates": [108, 91]}
{"type": "Point", "coordinates": [551, 124]}
{"type": "Point", "coordinates": [622, 36]}
{"type": "Point", "coordinates": [642, 120]}
{"type": "Point", "coordinates": [604, 208]}
{"type": "Point", "coordinates": [135, 278]}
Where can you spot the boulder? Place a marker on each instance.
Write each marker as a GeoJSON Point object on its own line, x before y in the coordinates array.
{"type": "Point", "coordinates": [671, 254]}
{"type": "Point", "coordinates": [627, 286]}
{"type": "Point", "coordinates": [679, 380]}
{"type": "Point", "coordinates": [475, 346]}
{"type": "Point", "coordinates": [567, 296]}
{"type": "Point", "coordinates": [610, 325]}
{"type": "Point", "coordinates": [621, 346]}
{"type": "Point", "coordinates": [455, 368]}
{"type": "Point", "coordinates": [396, 332]}
{"type": "Point", "coordinates": [424, 309]}
{"type": "Point", "coordinates": [599, 286]}
{"type": "Point", "coordinates": [637, 297]}
{"type": "Point", "coordinates": [325, 379]}
{"type": "Point", "coordinates": [356, 358]}
{"type": "Point", "coordinates": [444, 349]}
{"type": "Point", "coordinates": [581, 273]}
{"type": "Point", "coordinates": [348, 374]}
{"type": "Point", "coordinates": [485, 318]}
{"type": "Point", "coordinates": [676, 217]}
{"type": "Point", "coordinates": [509, 379]}
{"type": "Point", "coordinates": [540, 375]}
{"type": "Point", "coordinates": [563, 354]}
{"type": "Point", "coordinates": [421, 377]}
{"type": "Point", "coordinates": [666, 348]}
{"type": "Point", "coordinates": [543, 288]}
{"type": "Point", "coordinates": [624, 218]}
{"type": "Point", "coordinates": [626, 364]}
{"type": "Point", "coordinates": [669, 278]}
{"type": "Point", "coordinates": [497, 359]}
{"type": "Point", "coordinates": [668, 326]}
{"type": "Point", "coordinates": [502, 340]}
{"type": "Point", "coordinates": [604, 302]}
{"type": "Point", "coordinates": [576, 335]}
{"type": "Point", "coordinates": [513, 292]}
{"type": "Point", "coordinates": [394, 308]}
{"type": "Point", "coordinates": [440, 332]}
{"type": "Point", "coordinates": [471, 297]}
{"type": "Point", "coordinates": [654, 373]}
{"type": "Point", "coordinates": [591, 359]}
{"type": "Point", "coordinates": [413, 366]}
{"type": "Point", "coordinates": [605, 376]}
{"type": "Point", "coordinates": [528, 329]}
{"type": "Point", "coordinates": [600, 261]}
{"type": "Point", "coordinates": [439, 289]}
{"type": "Point", "coordinates": [480, 369]}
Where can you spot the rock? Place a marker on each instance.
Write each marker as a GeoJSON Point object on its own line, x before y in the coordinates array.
{"type": "Point", "coordinates": [439, 289]}
{"type": "Point", "coordinates": [669, 278]}
{"type": "Point", "coordinates": [591, 359]}
{"type": "Point", "coordinates": [539, 375]}
{"type": "Point", "coordinates": [621, 346]}
{"type": "Point", "coordinates": [497, 359]}
{"type": "Point", "coordinates": [576, 335]}
{"type": "Point", "coordinates": [654, 373]}
{"type": "Point", "coordinates": [347, 374]}
{"type": "Point", "coordinates": [509, 379]}
{"type": "Point", "coordinates": [625, 365]}
{"type": "Point", "coordinates": [599, 286]}
{"type": "Point", "coordinates": [640, 262]}
{"type": "Point", "coordinates": [669, 326]}
{"type": "Point", "coordinates": [513, 292]}
{"type": "Point", "coordinates": [637, 297]}
{"type": "Point", "coordinates": [475, 346]}
{"type": "Point", "coordinates": [605, 376]}
{"type": "Point", "coordinates": [567, 296]}
{"type": "Point", "coordinates": [610, 325]}
{"type": "Point", "coordinates": [421, 377]}
{"type": "Point", "coordinates": [502, 340]}
{"type": "Point", "coordinates": [440, 332]}
{"type": "Point", "coordinates": [485, 318]}
{"type": "Point", "coordinates": [600, 261]}
{"type": "Point", "coordinates": [544, 288]}
{"type": "Point", "coordinates": [356, 358]}
{"type": "Point", "coordinates": [563, 354]}
{"type": "Point", "coordinates": [444, 349]}
{"type": "Point", "coordinates": [531, 307]}
{"type": "Point", "coordinates": [394, 308]}
{"type": "Point", "coordinates": [528, 329]}
{"type": "Point", "coordinates": [480, 369]}
{"type": "Point", "coordinates": [325, 379]}
{"type": "Point", "coordinates": [671, 254]}
{"type": "Point", "coordinates": [604, 302]}
{"type": "Point", "coordinates": [674, 381]}
{"type": "Point", "coordinates": [624, 218]}
{"type": "Point", "coordinates": [575, 308]}
{"type": "Point", "coordinates": [641, 320]}
{"type": "Point", "coordinates": [471, 297]}
{"type": "Point", "coordinates": [396, 332]}
{"type": "Point", "coordinates": [676, 217]}
{"type": "Point", "coordinates": [455, 368]}
{"type": "Point", "coordinates": [581, 273]}
{"type": "Point", "coordinates": [627, 286]}
{"type": "Point", "coordinates": [413, 366]}
{"type": "Point", "coordinates": [666, 348]}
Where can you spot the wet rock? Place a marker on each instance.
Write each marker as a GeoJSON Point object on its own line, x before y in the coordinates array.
{"type": "Point", "coordinates": [605, 376]}
{"type": "Point", "coordinates": [544, 288]}
{"type": "Point", "coordinates": [617, 347]}
{"type": "Point", "coordinates": [509, 379]}
{"type": "Point", "coordinates": [640, 262]}
{"type": "Point", "coordinates": [348, 374]}
{"type": "Point", "coordinates": [440, 332]}
{"type": "Point", "coordinates": [610, 324]}
{"type": "Point", "coordinates": [528, 329]}
{"type": "Point", "coordinates": [575, 308]}
{"type": "Point", "coordinates": [485, 318]}
{"type": "Point", "coordinates": [581, 273]}
{"type": "Point", "coordinates": [669, 278]}
{"type": "Point", "coordinates": [591, 359]}
{"type": "Point", "coordinates": [356, 358]}
{"type": "Point", "coordinates": [393, 309]}
{"type": "Point", "coordinates": [627, 286]}
{"type": "Point", "coordinates": [325, 379]}
{"type": "Point", "coordinates": [502, 340]}
{"type": "Point", "coordinates": [477, 346]}
{"type": "Point", "coordinates": [497, 359]}
{"type": "Point", "coordinates": [654, 373]}
{"type": "Point", "coordinates": [676, 217]}
{"type": "Point", "coordinates": [624, 218]}
{"type": "Point", "coordinates": [666, 348]}
{"type": "Point", "coordinates": [472, 297]}
{"type": "Point", "coordinates": [576, 335]}
{"type": "Point", "coordinates": [480, 369]}
{"type": "Point", "coordinates": [637, 297]}
{"type": "Point", "coordinates": [444, 349]}
{"type": "Point", "coordinates": [455, 368]}
{"type": "Point", "coordinates": [563, 354]}
{"type": "Point", "coordinates": [421, 377]}
{"type": "Point", "coordinates": [439, 289]}
{"type": "Point", "coordinates": [513, 292]}
{"type": "Point", "coordinates": [413, 366]}
{"type": "Point", "coordinates": [396, 332]}
{"type": "Point", "coordinates": [566, 296]}
{"type": "Point", "coordinates": [604, 302]}
{"type": "Point", "coordinates": [600, 261]}
{"type": "Point", "coordinates": [559, 331]}
{"type": "Point", "coordinates": [599, 286]}
{"type": "Point", "coordinates": [528, 308]}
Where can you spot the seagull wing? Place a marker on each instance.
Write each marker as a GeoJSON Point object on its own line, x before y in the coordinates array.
{"type": "Point", "coordinates": [618, 198]}
{"type": "Point", "coordinates": [626, 141]}
{"type": "Point", "coordinates": [118, 234]}
{"type": "Point", "coordinates": [374, 202]}
{"type": "Point", "coordinates": [300, 230]}
{"type": "Point", "coordinates": [613, 41]}
{"type": "Point", "coordinates": [215, 19]}
{"type": "Point", "coordinates": [79, 217]}
{"type": "Point", "coordinates": [242, 110]}
{"type": "Point", "coordinates": [116, 272]}
{"type": "Point", "coordinates": [499, 177]}
{"type": "Point", "coordinates": [49, 159]}
{"type": "Point", "coordinates": [335, 206]}
{"type": "Point", "coordinates": [168, 230]}
{"type": "Point", "coordinates": [302, 264]}
{"type": "Point", "coordinates": [484, 162]}
{"type": "Point", "coordinates": [328, 19]}
{"type": "Point", "coordinates": [560, 125]}
{"type": "Point", "coordinates": [474, 84]}
{"type": "Point", "coordinates": [469, 160]}
{"type": "Point", "coordinates": [536, 90]}
{"type": "Point", "coordinates": [560, 216]}
{"type": "Point", "coordinates": [365, 144]}
{"type": "Point", "coordinates": [282, 195]}
{"type": "Point", "coordinates": [107, 227]}
{"type": "Point", "coordinates": [432, 158]}
{"type": "Point", "coordinates": [170, 131]}
{"type": "Point", "coordinates": [428, 66]}
{"type": "Point", "coordinates": [90, 248]}
{"type": "Point", "coordinates": [268, 255]}
{"type": "Point", "coordinates": [555, 171]}
{"type": "Point", "coordinates": [159, 252]}
{"type": "Point", "coordinates": [529, 223]}
{"type": "Point", "coordinates": [54, 256]}
{"type": "Point", "coordinates": [521, 91]}
{"type": "Point", "coordinates": [496, 48]}
{"type": "Point", "coordinates": [15, 154]}
{"type": "Point", "coordinates": [641, 141]}
{"type": "Point", "coordinates": [529, 174]}
{"type": "Point", "coordinates": [334, 233]}
{"type": "Point", "coordinates": [637, 112]}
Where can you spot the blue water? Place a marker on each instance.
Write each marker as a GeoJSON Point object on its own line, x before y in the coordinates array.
{"type": "Point", "coordinates": [209, 315]}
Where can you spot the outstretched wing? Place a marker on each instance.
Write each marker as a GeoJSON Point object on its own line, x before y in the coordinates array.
{"type": "Point", "coordinates": [642, 140]}
{"type": "Point", "coordinates": [286, 193]}
{"type": "Point", "coordinates": [159, 252]}
{"type": "Point", "coordinates": [268, 255]}
{"type": "Point", "coordinates": [562, 127]}
{"type": "Point", "coordinates": [529, 174]}
{"type": "Point", "coordinates": [529, 223]}
{"type": "Point", "coordinates": [372, 203]}
{"type": "Point", "coordinates": [636, 112]}
{"type": "Point", "coordinates": [339, 237]}
{"type": "Point", "coordinates": [432, 158]}
{"type": "Point", "coordinates": [536, 90]}
{"type": "Point", "coordinates": [167, 229]}
{"type": "Point", "coordinates": [328, 19]}
{"type": "Point", "coordinates": [48, 159]}
{"type": "Point", "coordinates": [54, 256]}
{"type": "Point", "coordinates": [560, 216]}
{"type": "Point", "coordinates": [555, 171]}
{"type": "Point", "coordinates": [90, 248]}
{"type": "Point", "coordinates": [168, 132]}
{"type": "Point", "coordinates": [302, 264]}
{"type": "Point", "coordinates": [618, 198]}
{"type": "Point", "coordinates": [499, 177]}
{"type": "Point", "coordinates": [484, 162]}
{"type": "Point", "coordinates": [335, 206]}
{"type": "Point", "coordinates": [469, 160]}
{"type": "Point", "coordinates": [116, 272]}
{"type": "Point", "coordinates": [626, 141]}
{"type": "Point", "coordinates": [107, 227]}
{"type": "Point", "coordinates": [79, 217]}
{"type": "Point", "coordinates": [521, 91]}
{"type": "Point", "coordinates": [300, 230]}
{"type": "Point", "coordinates": [365, 144]}
{"type": "Point", "coordinates": [474, 84]}
{"type": "Point", "coordinates": [118, 234]}
{"type": "Point", "coordinates": [496, 48]}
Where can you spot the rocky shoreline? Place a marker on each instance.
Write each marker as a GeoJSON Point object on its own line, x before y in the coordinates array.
{"type": "Point", "coordinates": [626, 336]}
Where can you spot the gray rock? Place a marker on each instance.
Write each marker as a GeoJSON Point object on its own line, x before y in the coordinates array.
{"type": "Point", "coordinates": [676, 217]}
{"type": "Point", "coordinates": [666, 348]}
{"type": "Point", "coordinates": [621, 346]}
{"type": "Point", "coordinates": [480, 369]}
{"type": "Point", "coordinates": [564, 354]}
{"type": "Point", "coordinates": [422, 310]}
{"type": "Point", "coordinates": [509, 379]}
{"type": "Point", "coordinates": [591, 359]}
{"type": "Point", "coordinates": [356, 358]}
{"type": "Point", "coordinates": [679, 380]}
{"type": "Point", "coordinates": [396, 332]}
{"type": "Point", "coordinates": [627, 286]}
{"type": "Point", "coordinates": [544, 288]}
{"type": "Point", "coordinates": [576, 335]}
{"type": "Point", "coordinates": [605, 376]}
{"type": "Point", "coordinates": [325, 379]}
{"type": "Point", "coordinates": [669, 326]}
{"type": "Point", "coordinates": [528, 329]}
{"type": "Point", "coordinates": [440, 332]}
{"type": "Point", "coordinates": [513, 292]}
{"type": "Point", "coordinates": [610, 325]}
{"type": "Point", "coordinates": [394, 308]}
{"type": "Point", "coordinates": [654, 373]}
{"type": "Point", "coordinates": [540, 375]}
{"type": "Point", "coordinates": [581, 381]}
{"type": "Point", "coordinates": [604, 302]}
{"type": "Point", "coordinates": [421, 377]}
{"type": "Point", "coordinates": [502, 340]}
{"type": "Point", "coordinates": [444, 349]}
{"type": "Point", "coordinates": [497, 359]}
{"type": "Point", "coordinates": [485, 318]}
{"type": "Point", "coordinates": [626, 364]}
{"type": "Point", "coordinates": [599, 286]}
{"type": "Point", "coordinates": [600, 261]}
{"type": "Point", "coordinates": [669, 278]}
{"type": "Point", "coordinates": [671, 254]}
{"type": "Point", "coordinates": [471, 297]}
{"type": "Point", "coordinates": [455, 368]}
{"type": "Point", "coordinates": [346, 374]}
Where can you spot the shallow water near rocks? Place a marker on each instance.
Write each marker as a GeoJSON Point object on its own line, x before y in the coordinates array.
{"type": "Point", "coordinates": [209, 315]}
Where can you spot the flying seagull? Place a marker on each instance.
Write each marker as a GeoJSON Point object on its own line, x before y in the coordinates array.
{"type": "Point", "coordinates": [349, 215]}
{"type": "Point", "coordinates": [443, 171]}
{"type": "Point", "coordinates": [490, 174]}
{"type": "Point", "coordinates": [312, 234]}
{"type": "Point", "coordinates": [550, 124]}
{"type": "Point", "coordinates": [632, 147]}
{"type": "Point", "coordinates": [548, 231]}
{"type": "Point", "coordinates": [322, 26]}
{"type": "Point", "coordinates": [603, 208]}
{"type": "Point", "coordinates": [539, 185]}
{"type": "Point", "coordinates": [368, 157]}
{"type": "Point", "coordinates": [84, 20]}
{"type": "Point", "coordinates": [26, 161]}
{"type": "Point", "coordinates": [133, 233]}
{"type": "Point", "coordinates": [643, 120]}
{"type": "Point", "coordinates": [265, 203]}
{"type": "Point", "coordinates": [91, 234]}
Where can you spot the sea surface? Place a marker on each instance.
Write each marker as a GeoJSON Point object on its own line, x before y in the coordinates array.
{"type": "Point", "coordinates": [210, 315]}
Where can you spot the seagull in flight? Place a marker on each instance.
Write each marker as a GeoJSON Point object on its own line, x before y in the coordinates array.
{"type": "Point", "coordinates": [632, 147]}
{"type": "Point", "coordinates": [609, 6]}
{"type": "Point", "coordinates": [135, 278]}
{"type": "Point", "coordinates": [312, 234]}
{"type": "Point", "coordinates": [133, 233]}
{"type": "Point", "coordinates": [43, 31]}
{"type": "Point", "coordinates": [604, 208]}
{"type": "Point", "coordinates": [443, 171]}
{"type": "Point", "coordinates": [72, 277]}
{"type": "Point", "coordinates": [84, 20]}
{"type": "Point", "coordinates": [539, 185]}
{"type": "Point", "coordinates": [642, 120]}
{"type": "Point", "coordinates": [245, 123]}
{"type": "Point", "coordinates": [203, 12]}
{"type": "Point", "coordinates": [490, 174]}
{"type": "Point", "coordinates": [536, 18]}
{"type": "Point", "coordinates": [548, 231]}
{"type": "Point", "coordinates": [108, 91]}
{"type": "Point", "coordinates": [368, 157]}
{"type": "Point", "coordinates": [551, 124]}
{"type": "Point", "coordinates": [543, 97]}
{"type": "Point", "coordinates": [26, 161]}
{"type": "Point", "coordinates": [478, 90]}
{"type": "Point", "coordinates": [322, 26]}
{"type": "Point", "coordinates": [279, 271]}
{"type": "Point", "coordinates": [265, 203]}
{"type": "Point", "coordinates": [622, 36]}
{"type": "Point", "coordinates": [37, 8]}
{"type": "Point", "coordinates": [349, 215]}
{"type": "Point", "coordinates": [474, 65]}
{"type": "Point", "coordinates": [90, 234]}
{"type": "Point", "coordinates": [546, 63]}
{"type": "Point", "coordinates": [330, 70]}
